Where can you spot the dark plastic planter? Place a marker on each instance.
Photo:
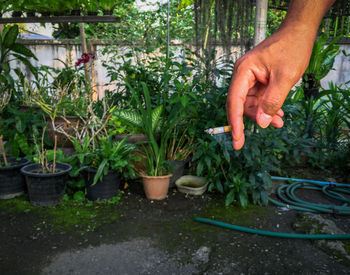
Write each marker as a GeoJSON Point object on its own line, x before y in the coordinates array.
{"type": "Point", "coordinates": [46, 189]}
{"type": "Point", "coordinates": [12, 183]}
{"type": "Point", "coordinates": [177, 171]}
{"type": "Point", "coordinates": [92, 13]}
{"type": "Point", "coordinates": [107, 12]}
{"type": "Point", "coordinates": [17, 14]}
{"type": "Point", "coordinates": [103, 189]}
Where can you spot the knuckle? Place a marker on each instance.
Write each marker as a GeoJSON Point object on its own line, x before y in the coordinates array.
{"type": "Point", "coordinates": [271, 105]}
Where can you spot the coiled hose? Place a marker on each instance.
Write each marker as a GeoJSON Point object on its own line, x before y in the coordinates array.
{"type": "Point", "coordinates": [286, 193]}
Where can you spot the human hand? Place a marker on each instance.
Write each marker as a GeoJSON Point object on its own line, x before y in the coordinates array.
{"type": "Point", "coordinates": [262, 79]}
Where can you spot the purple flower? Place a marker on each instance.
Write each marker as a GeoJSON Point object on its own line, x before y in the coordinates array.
{"type": "Point", "coordinates": [85, 58]}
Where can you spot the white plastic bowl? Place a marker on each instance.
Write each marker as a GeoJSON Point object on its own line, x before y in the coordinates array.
{"type": "Point", "coordinates": [202, 185]}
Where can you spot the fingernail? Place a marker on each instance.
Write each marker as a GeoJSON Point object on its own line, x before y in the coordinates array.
{"type": "Point", "coordinates": [264, 120]}
{"type": "Point", "coordinates": [237, 145]}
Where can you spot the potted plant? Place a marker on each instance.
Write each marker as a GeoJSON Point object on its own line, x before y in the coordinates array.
{"type": "Point", "coordinates": [64, 100]}
{"type": "Point", "coordinates": [12, 183]}
{"type": "Point", "coordinates": [179, 151]}
{"type": "Point", "coordinates": [91, 6]}
{"type": "Point", "coordinates": [155, 176]}
{"type": "Point", "coordinates": [46, 180]}
{"type": "Point", "coordinates": [321, 62]}
{"type": "Point", "coordinates": [107, 6]}
{"type": "Point", "coordinates": [103, 162]}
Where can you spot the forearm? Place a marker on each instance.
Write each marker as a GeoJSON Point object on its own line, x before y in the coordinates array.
{"type": "Point", "coordinates": [305, 16]}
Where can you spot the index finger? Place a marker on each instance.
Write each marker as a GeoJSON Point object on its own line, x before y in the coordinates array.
{"type": "Point", "coordinates": [241, 82]}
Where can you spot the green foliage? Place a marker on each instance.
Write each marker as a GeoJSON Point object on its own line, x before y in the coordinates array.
{"type": "Point", "coordinates": [104, 154]}
{"type": "Point", "coordinates": [132, 119]}
{"type": "Point", "coordinates": [274, 20]}
{"type": "Point", "coordinates": [19, 128]}
{"type": "Point", "coordinates": [321, 61]}
{"type": "Point", "coordinates": [11, 50]}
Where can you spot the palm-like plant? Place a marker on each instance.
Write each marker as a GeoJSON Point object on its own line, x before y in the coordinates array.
{"type": "Point", "coordinates": [321, 62]}
{"type": "Point", "coordinates": [153, 122]}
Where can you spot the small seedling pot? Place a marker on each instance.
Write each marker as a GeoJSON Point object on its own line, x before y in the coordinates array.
{"type": "Point", "coordinates": [191, 185]}
{"type": "Point", "coordinates": [12, 182]}
{"type": "Point", "coordinates": [46, 189]}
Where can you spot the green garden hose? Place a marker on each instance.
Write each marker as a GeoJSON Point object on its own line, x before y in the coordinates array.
{"type": "Point", "coordinates": [274, 234]}
{"type": "Point", "coordinates": [286, 193]}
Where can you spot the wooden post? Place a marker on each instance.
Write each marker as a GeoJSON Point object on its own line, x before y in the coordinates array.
{"type": "Point", "coordinates": [84, 50]}
{"type": "Point", "coordinates": [260, 21]}
{"type": "Point", "coordinates": [92, 72]}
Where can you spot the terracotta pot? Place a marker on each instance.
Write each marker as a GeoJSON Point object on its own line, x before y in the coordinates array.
{"type": "Point", "coordinates": [156, 188]}
{"type": "Point", "coordinates": [133, 138]}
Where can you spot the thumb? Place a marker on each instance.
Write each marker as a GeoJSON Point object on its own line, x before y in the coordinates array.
{"type": "Point", "coordinates": [271, 102]}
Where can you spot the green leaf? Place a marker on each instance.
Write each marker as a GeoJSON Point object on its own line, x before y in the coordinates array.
{"type": "Point", "coordinates": [156, 117]}
{"type": "Point", "coordinates": [79, 196]}
{"type": "Point", "coordinates": [100, 170]}
{"type": "Point", "coordinates": [10, 37]}
{"type": "Point", "coordinates": [131, 117]}
{"type": "Point", "coordinates": [22, 142]}
{"type": "Point", "coordinates": [219, 186]}
{"type": "Point", "coordinates": [19, 48]}
{"type": "Point", "coordinates": [184, 101]}
{"type": "Point", "coordinates": [243, 198]}
{"type": "Point", "coordinates": [230, 197]}
{"type": "Point", "coordinates": [20, 126]}
{"type": "Point", "coordinates": [199, 168]}
{"type": "Point", "coordinates": [27, 63]}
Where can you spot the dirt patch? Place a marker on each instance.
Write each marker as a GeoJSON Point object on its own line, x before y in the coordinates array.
{"type": "Point", "coordinates": [32, 238]}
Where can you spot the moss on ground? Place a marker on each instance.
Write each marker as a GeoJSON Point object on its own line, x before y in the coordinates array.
{"type": "Point", "coordinates": [196, 234]}
{"type": "Point", "coordinates": [233, 213]}
{"type": "Point", "coordinates": [68, 216]}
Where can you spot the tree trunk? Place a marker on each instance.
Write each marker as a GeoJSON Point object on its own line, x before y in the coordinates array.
{"type": "Point", "coordinates": [260, 21]}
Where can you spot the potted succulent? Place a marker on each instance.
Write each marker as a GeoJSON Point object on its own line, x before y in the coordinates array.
{"type": "Point", "coordinates": [103, 161]}
{"type": "Point", "coordinates": [46, 180]}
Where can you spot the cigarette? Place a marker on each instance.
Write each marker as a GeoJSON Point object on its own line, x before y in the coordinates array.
{"type": "Point", "coordinates": [218, 130]}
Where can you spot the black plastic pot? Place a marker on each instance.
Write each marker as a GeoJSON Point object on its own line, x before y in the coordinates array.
{"type": "Point", "coordinates": [308, 93]}
{"type": "Point", "coordinates": [75, 12]}
{"type": "Point", "coordinates": [177, 170]}
{"type": "Point", "coordinates": [92, 13]}
{"type": "Point", "coordinates": [103, 189]}
{"type": "Point", "coordinates": [108, 12]}
{"type": "Point", "coordinates": [30, 14]}
{"type": "Point", "coordinates": [12, 183]}
{"type": "Point", "coordinates": [46, 189]}
{"type": "Point", "coordinates": [17, 14]}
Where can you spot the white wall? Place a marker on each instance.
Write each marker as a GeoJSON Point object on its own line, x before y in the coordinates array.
{"type": "Point", "coordinates": [47, 51]}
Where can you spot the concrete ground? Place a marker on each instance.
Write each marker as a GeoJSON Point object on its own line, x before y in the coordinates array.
{"type": "Point", "coordinates": [137, 236]}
